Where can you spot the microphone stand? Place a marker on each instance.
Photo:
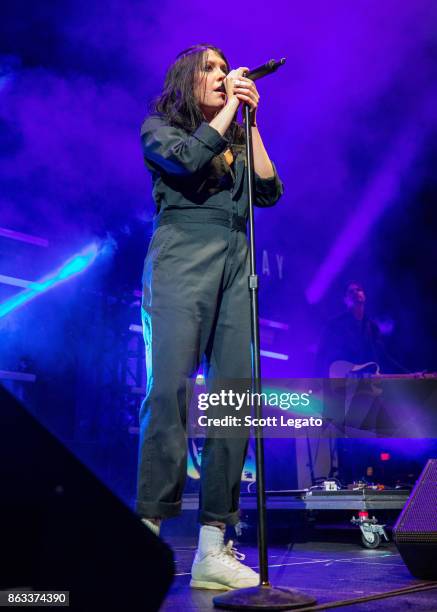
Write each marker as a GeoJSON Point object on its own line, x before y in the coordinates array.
{"type": "Point", "coordinates": [264, 596]}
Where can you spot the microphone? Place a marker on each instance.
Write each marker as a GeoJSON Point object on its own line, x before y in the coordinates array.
{"type": "Point", "coordinates": [265, 69]}
{"type": "Point", "coordinates": [260, 71]}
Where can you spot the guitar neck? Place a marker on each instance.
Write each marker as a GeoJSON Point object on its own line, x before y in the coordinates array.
{"type": "Point", "coordinates": [413, 375]}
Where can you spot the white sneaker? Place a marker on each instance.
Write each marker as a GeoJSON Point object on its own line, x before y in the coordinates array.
{"type": "Point", "coordinates": [152, 526]}
{"type": "Point", "coordinates": [221, 569]}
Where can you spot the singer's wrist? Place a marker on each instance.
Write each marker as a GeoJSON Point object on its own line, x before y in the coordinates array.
{"type": "Point", "coordinates": [233, 102]}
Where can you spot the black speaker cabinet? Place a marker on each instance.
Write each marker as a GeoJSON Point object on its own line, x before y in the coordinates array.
{"type": "Point", "coordinates": [62, 529]}
{"type": "Point", "coordinates": [415, 532]}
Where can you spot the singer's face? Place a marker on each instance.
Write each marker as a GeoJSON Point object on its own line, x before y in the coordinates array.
{"type": "Point", "coordinates": [208, 80]}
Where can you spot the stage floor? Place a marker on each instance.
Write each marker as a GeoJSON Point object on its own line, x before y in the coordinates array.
{"type": "Point", "coordinates": [328, 571]}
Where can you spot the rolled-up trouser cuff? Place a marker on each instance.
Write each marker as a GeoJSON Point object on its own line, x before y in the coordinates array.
{"type": "Point", "coordinates": [232, 518]}
{"type": "Point", "coordinates": [158, 509]}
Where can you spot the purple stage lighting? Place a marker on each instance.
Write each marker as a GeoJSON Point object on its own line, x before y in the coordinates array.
{"type": "Point", "coordinates": [381, 192]}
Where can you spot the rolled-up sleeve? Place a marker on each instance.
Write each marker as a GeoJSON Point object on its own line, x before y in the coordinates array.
{"type": "Point", "coordinates": [268, 191]}
{"type": "Point", "coordinates": [176, 152]}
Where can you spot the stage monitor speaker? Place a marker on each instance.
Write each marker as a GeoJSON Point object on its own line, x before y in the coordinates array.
{"type": "Point", "coordinates": [415, 532]}
{"type": "Point", "coordinates": [62, 529]}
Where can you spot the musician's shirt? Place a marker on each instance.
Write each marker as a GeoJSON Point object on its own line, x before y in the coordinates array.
{"type": "Point", "coordinates": [192, 171]}
{"type": "Point", "coordinates": [349, 339]}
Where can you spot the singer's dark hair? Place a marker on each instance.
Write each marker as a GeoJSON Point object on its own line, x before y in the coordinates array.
{"type": "Point", "coordinates": [177, 102]}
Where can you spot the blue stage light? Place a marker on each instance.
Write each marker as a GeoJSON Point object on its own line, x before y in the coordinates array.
{"type": "Point", "coordinates": [73, 266]}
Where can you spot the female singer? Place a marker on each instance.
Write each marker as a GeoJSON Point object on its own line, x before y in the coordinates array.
{"type": "Point", "coordinates": [196, 298]}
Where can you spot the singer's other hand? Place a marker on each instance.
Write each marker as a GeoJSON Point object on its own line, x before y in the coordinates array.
{"type": "Point", "coordinates": [238, 86]}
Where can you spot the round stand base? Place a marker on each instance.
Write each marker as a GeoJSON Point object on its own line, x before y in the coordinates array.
{"type": "Point", "coordinates": [263, 598]}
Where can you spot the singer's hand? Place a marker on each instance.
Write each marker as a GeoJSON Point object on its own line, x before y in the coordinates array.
{"type": "Point", "coordinates": [246, 91]}
{"type": "Point", "coordinates": [239, 87]}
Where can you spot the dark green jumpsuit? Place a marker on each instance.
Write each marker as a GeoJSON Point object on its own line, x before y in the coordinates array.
{"type": "Point", "coordinates": [195, 304]}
